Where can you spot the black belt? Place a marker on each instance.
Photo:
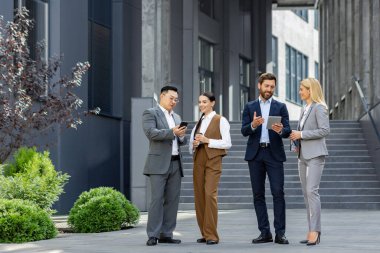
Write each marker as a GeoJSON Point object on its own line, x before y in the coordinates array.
{"type": "Point", "coordinates": [264, 145]}
{"type": "Point", "coordinates": [175, 157]}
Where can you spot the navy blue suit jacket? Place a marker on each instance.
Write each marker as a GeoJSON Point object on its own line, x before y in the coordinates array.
{"type": "Point", "coordinates": [276, 144]}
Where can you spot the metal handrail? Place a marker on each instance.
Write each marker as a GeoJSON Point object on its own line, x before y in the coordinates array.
{"type": "Point", "coordinates": [365, 105]}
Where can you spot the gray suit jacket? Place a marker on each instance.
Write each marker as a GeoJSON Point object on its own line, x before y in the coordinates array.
{"type": "Point", "coordinates": [315, 128]}
{"type": "Point", "coordinates": [160, 138]}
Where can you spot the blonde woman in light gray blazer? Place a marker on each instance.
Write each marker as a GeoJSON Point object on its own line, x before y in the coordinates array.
{"type": "Point", "coordinates": [312, 129]}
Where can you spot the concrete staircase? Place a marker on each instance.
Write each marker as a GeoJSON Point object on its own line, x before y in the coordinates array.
{"type": "Point", "coordinates": [349, 180]}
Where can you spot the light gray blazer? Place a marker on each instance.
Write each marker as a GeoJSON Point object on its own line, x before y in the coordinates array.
{"type": "Point", "coordinates": [315, 128]}
{"type": "Point", "coordinates": [160, 138]}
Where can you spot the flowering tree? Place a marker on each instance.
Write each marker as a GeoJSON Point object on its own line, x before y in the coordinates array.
{"type": "Point", "coordinates": [30, 101]}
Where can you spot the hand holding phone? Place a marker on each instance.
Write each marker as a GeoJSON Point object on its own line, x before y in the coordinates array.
{"type": "Point", "coordinates": [183, 124]}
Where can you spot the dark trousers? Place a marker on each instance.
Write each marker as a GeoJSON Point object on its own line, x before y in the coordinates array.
{"type": "Point", "coordinates": [264, 164]}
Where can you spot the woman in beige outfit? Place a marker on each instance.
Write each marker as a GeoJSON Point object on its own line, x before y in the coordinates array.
{"type": "Point", "coordinates": [208, 142]}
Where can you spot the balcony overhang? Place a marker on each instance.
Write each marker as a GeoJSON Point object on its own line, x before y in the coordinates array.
{"type": "Point", "coordinates": [295, 4]}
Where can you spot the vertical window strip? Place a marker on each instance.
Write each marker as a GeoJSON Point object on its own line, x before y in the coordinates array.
{"type": "Point", "coordinates": [296, 71]}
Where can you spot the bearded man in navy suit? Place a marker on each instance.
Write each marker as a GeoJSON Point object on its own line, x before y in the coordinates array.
{"type": "Point", "coordinates": [265, 155]}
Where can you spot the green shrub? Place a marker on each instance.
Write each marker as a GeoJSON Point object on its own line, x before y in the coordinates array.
{"type": "Point", "coordinates": [23, 221]}
{"type": "Point", "coordinates": [102, 209]}
{"type": "Point", "coordinates": [32, 176]}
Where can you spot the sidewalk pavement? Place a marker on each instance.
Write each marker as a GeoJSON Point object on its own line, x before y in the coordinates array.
{"type": "Point", "coordinates": [345, 231]}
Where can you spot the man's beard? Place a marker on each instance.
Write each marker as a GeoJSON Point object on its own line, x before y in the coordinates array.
{"type": "Point", "coordinates": [266, 95]}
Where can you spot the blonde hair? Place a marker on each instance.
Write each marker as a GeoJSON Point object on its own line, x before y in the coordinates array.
{"type": "Point", "coordinates": [315, 89]}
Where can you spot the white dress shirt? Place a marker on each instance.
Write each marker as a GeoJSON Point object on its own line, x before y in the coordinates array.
{"type": "Point", "coordinates": [265, 108]}
{"type": "Point", "coordinates": [171, 123]}
{"type": "Point", "coordinates": [224, 143]}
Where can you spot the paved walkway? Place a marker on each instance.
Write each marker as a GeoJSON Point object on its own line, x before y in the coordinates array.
{"type": "Point", "coordinates": [343, 231]}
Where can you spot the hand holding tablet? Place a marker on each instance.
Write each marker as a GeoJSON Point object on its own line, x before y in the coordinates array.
{"type": "Point", "coordinates": [273, 120]}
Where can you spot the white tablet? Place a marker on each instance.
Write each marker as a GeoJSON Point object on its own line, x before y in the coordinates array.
{"type": "Point", "coordinates": [272, 120]}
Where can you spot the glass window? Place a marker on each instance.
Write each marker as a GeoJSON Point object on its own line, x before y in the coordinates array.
{"type": "Point", "coordinates": [244, 81]}
{"type": "Point", "coordinates": [302, 14]}
{"type": "Point", "coordinates": [275, 61]}
{"type": "Point", "coordinates": [316, 19]}
{"type": "Point", "coordinates": [296, 71]}
{"type": "Point", "coordinates": [100, 55]}
{"type": "Point", "coordinates": [206, 66]}
{"type": "Point", "coordinates": [316, 70]}
{"type": "Point", "coordinates": [207, 7]}
{"type": "Point", "coordinates": [39, 12]}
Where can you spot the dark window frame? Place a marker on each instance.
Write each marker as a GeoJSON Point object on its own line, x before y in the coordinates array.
{"type": "Point", "coordinates": [206, 66]}
{"type": "Point", "coordinates": [207, 7]}
{"type": "Point", "coordinates": [100, 90]}
{"type": "Point", "coordinates": [296, 70]}
{"type": "Point", "coordinates": [244, 81]}
{"type": "Point", "coordinates": [302, 13]}
{"type": "Point", "coordinates": [316, 70]}
{"type": "Point", "coordinates": [275, 60]}
{"type": "Point", "coordinates": [316, 19]}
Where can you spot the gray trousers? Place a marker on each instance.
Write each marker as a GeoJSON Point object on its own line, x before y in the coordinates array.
{"type": "Point", "coordinates": [165, 190]}
{"type": "Point", "coordinates": [310, 172]}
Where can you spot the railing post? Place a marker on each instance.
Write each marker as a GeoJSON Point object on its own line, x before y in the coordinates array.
{"type": "Point", "coordinates": [365, 104]}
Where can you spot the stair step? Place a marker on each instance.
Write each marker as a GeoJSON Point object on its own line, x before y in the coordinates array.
{"type": "Point", "coordinates": [241, 153]}
{"type": "Point", "coordinates": [292, 191]}
{"type": "Point", "coordinates": [294, 165]}
{"type": "Point", "coordinates": [349, 179]}
{"type": "Point", "coordinates": [292, 178]}
{"type": "Point", "coordinates": [293, 184]}
{"type": "Point", "coordinates": [332, 131]}
{"type": "Point", "coordinates": [330, 147]}
{"type": "Point", "coordinates": [294, 171]}
{"type": "Point", "coordinates": [295, 199]}
{"type": "Point", "coordinates": [293, 125]}
{"type": "Point", "coordinates": [290, 205]}
{"type": "Point", "coordinates": [239, 159]}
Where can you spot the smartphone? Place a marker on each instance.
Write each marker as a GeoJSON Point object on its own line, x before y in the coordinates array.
{"type": "Point", "coordinates": [183, 124]}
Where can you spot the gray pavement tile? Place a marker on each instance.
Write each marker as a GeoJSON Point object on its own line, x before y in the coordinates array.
{"type": "Point", "coordinates": [345, 231]}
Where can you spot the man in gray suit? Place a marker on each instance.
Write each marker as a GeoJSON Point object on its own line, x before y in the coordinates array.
{"type": "Point", "coordinates": [164, 166]}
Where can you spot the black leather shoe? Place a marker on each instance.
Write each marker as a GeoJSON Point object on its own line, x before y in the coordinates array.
{"type": "Point", "coordinates": [211, 242]}
{"type": "Point", "coordinates": [152, 241]}
{"type": "Point", "coordinates": [169, 240]}
{"type": "Point", "coordinates": [281, 239]}
{"type": "Point", "coordinates": [263, 239]}
{"type": "Point", "coordinates": [304, 241]}
{"type": "Point", "coordinates": [201, 240]}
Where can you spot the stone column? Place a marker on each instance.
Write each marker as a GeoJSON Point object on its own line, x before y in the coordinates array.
{"type": "Point", "coordinates": [366, 56]}
{"type": "Point", "coordinates": [155, 46]}
{"type": "Point", "coordinates": [155, 51]}
{"type": "Point", "coordinates": [190, 60]}
{"type": "Point", "coordinates": [349, 45]}
{"type": "Point", "coordinates": [375, 50]}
